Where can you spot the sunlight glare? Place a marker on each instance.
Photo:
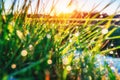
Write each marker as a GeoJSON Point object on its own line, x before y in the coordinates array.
{"type": "Point", "coordinates": [63, 8]}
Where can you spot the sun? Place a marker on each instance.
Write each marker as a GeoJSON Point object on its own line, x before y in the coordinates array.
{"type": "Point", "coordinates": [64, 9]}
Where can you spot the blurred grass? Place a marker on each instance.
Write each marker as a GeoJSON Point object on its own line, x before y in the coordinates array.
{"type": "Point", "coordinates": [35, 50]}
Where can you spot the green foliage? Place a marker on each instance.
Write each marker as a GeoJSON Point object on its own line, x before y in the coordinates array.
{"type": "Point", "coordinates": [34, 50]}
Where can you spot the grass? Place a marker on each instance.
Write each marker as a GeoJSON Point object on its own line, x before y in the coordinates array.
{"type": "Point", "coordinates": [35, 50]}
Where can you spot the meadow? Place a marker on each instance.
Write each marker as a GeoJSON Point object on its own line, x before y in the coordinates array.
{"type": "Point", "coordinates": [36, 49]}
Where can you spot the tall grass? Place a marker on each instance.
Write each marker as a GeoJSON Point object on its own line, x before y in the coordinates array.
{"type": "Point", "coordinates": [37, 50]}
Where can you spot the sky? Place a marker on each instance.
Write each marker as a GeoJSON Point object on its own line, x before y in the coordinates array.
{"type": "Point", "coordinates": [61, 6]}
